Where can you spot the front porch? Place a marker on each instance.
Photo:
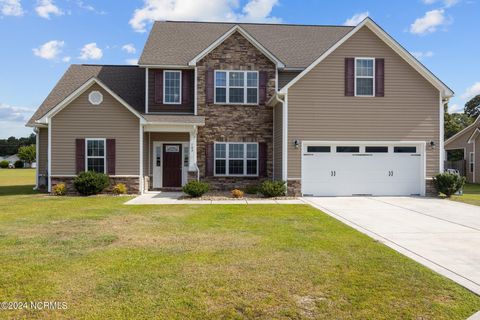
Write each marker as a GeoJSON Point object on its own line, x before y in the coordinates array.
{"type": "Point", "coordinates": [170, 151]}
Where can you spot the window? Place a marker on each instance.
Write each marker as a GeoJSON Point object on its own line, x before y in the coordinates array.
{"type": "Point", "coordinates": [95, 155]}
{"type": "Point", "coordinates": [471, 162]}
{"type": "Point", "coordinates": [405, 149]}
{"type": "Point", "coordinates": [236, 159]}
{"type": "Point", "coordinates": [318, 149]}
{"type": "Point", "coordinates": [348, 149]}
{"type": "Point", "coordinates": [95, 98]}
{"type": "Point", "coordinates": [376, 149]}
{"type": "Point", "coordinates": [172, 93]}
{"type": "Point", "coordinates": [364, 77]}
{"type": "Point", "coordinates": [236, 87]}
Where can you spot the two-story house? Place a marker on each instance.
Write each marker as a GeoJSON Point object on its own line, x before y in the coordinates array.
{"type": "Point", "coordinates": [332, 110]}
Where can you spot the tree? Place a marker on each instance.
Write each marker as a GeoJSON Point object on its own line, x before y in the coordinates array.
{"type": "Point", "coordinates": [456, 122]}
{"type": "Point", "coordinates": [472, 107]}
{"type": "Point", "coordinates": [11, 145]}
{"type": "Point", "coordinates": [27, 153]}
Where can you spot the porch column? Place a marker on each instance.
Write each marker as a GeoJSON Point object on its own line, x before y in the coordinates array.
{"type": "Point", "coordinates": [192, 163]}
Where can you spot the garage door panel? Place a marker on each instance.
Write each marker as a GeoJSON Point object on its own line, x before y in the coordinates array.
{"type": "Point", "coordinates": [339, 174]}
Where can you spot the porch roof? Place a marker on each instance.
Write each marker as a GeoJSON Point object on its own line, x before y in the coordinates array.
{"type": "Point", "coordinates": [174, 119]}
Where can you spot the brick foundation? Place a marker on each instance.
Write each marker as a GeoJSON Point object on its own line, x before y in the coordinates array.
{"type": "Point", "coordinates": [192, 176]}
{"type": "Point", "coordinates": [132, 183]}
{"type": "Point", "coordinates": [294, 188]}
{"type": "Point", "coordinates": [430, 190]}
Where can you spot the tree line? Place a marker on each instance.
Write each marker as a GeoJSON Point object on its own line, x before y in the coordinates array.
{"type": "Point", "coordinates": [11, 145]}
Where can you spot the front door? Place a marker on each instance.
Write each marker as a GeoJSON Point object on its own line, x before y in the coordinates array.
{"type": "Point", "coordinates": [172, 165]}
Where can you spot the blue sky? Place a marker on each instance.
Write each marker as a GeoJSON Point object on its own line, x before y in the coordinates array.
{"type": "Point", "coordinates": [41, 38]}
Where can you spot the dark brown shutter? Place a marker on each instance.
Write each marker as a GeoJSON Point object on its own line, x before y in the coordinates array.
{"type": "Point", "coordinates": [209, 155]}
{"type": "Point", "coordinates": [379, 77]}
{"type": "Point", "coordinates": [349, 77]}
{"type": "Point", "coordinates": [111, 157]}
{"type": "Point", "coordinates": [209, 86]}
{"type": "Point", "coordinates": [262, 159]}
{"type": "Point", "coordinates": [159, 86]}
{"type": "Point", "coordinates": [79, 155]}
{"type": "Point", "coordinates": [186, 86]}
{"type": "Point", "coordinates": [262, 87]}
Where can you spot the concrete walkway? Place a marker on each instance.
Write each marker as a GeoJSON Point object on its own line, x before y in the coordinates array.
{"type": "Point", "coordinates": [440, 234]}
{"type": "Point", "coordinates": [157, 197]}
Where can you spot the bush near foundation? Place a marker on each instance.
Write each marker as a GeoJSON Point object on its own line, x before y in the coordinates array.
{"type": "Point", "coordinates": [448, 183]}
{"type": "Point", "coordinates": [196, 188]}
{"type": "Point", "coordinates": [90, 182]}
{"type": "Point", "coordinates": [271, 189]}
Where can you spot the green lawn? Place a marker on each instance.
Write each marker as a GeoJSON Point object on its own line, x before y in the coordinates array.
{"type": "Point", "coordinates": [111, 261]}
{"type": "Point", "coordinates": [471, 194]}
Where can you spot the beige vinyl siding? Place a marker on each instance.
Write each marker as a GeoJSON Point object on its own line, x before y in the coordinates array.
{"type": "Point", "coordinates": [477, 161]}
{"type": "Point", "coordinates": [42, 151]}
{"type": "Point", "coordinates": [285, 77]}
{"type": "Point", "coordinates": [162, 137]}
{"type": "Point", "coordinates": [461, 142]}
{"type": "Point", "coordinates": [80, 119]}
{"type": "Point", "coordinates": [318, 109]}
{"type": "Point", "coordinates": [277, 137]}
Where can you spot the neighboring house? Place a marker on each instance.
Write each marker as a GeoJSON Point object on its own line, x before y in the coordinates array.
{"type": "Point", "coordinates": [11, 159]}
{"type": "Point", "coordinates": [332, 110]}
{"type": "Point", "coordinates": [467, 140]}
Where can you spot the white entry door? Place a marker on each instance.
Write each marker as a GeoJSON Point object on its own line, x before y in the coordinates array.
{"type": "Point", "coordinates": [362, 169]}
{"type": "Point", "coordinates": [157, 164]}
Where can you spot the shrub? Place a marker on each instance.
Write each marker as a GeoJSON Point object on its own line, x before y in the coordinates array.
{"type": "Point", "coordinates": [59, 189]}
{"type": "Point", "coordinates": [273, 188]}
{"type": "Point", "coordinates": [196, 188]}
{"type": "Point", "coordinates": [448, 183]}
{"type": "Point", "coordinates": [19, 164]}
{"type": "Point", "coordinates": [237, 193]}
{"type": "Point", "coordinates": [4, 164]}
{"type": "Point", "coordinates": [90, 182]}
{"type": "Point", "coordinates": [251, 189]}
{"type": "Point", "coordinates": [119, 188]}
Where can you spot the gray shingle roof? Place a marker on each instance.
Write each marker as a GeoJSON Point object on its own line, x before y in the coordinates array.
{"type": "Point", "coordinates": [128, 82]}
{"type": "Point", "coordinates": [297, 46]}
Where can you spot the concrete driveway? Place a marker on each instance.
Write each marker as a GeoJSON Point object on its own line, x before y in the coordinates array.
{"type": "Point", "coordinates": [441, 234]}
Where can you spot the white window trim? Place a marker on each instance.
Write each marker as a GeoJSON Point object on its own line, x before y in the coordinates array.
{"type": "Point", "coordinates": [365, 77]}
{"type": "Point", "coordinates": [180, 86]}
{"type": "Point", "coordinates": [227, 158]}
{"type": "Point", "coordinates": [96, 157]}
{"type": "Point", "coordinates": [471, 161]}
{"type": "Point", "coordinates": [227, 87]}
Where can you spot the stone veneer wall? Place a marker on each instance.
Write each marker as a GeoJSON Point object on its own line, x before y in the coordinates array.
{"type": "Point", "coordinates": [235, 123]}
{"type": "Point", "coordinates": [430, 190]}
{"type": "Point", "coordinates": [132, 183]}
{"type": "Point", "coordinates": [294, 188]}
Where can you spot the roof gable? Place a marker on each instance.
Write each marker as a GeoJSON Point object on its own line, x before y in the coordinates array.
{"type": "Point", "coordinates": [128, 82]}
{"type": "Point", "coordinates": [385, 37]}
{"type": "Point", "coordinates": [462, 132]}
{"type": "Point", "coordinates": [474, 135]}
{"type": "Point", "coordinates": [247, 36]}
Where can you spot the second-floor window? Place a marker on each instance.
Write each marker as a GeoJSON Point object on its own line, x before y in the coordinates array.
{"type": "Point", "coordinates": [172, 87]}
{"type": "Point", "coordinates": [364, 77]}
{"type": "Point", "coordinates": [236, 87]}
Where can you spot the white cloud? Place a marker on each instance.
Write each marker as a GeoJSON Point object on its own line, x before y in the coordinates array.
{"type": "Point", "coordinates": [45, 8]}
{"type": "Point", "coordinates": [471, 92]}
{"type": "Point", "coordinates": [129, 48]}
{"type": "Point", "coordinates": [49, 50]}
{"type": "Point", "coordinates": [202, 10]}
{"type": "Point", "coordinates": [91, 51]}
{"type": "Point", "coordinates": [66, 59]}
{"type": "Point", "coordinates": [422, 55]}
{"type": "Point", "coordinates": [446, 3]}
{"type": "Point", "coordinates": [81, 4]}
{"type": "Point", "coordinates": [12, 113]}
{"type": "Point", "coordinates": [132, 62]}
{"type": "Point", "coordinates": [429, 22]}
{"type": "Point", "coordinates": [455, 108]}
{"type": "Point", "coordinates": [356, 19]}
{"type": "Point", "coordinates": [11, 8]}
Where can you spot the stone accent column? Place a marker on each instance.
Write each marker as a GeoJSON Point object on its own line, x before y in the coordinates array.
{"type": "Point", "coordinates": [430, 190]}
{"type": "Point", "coordinates": [294, 188]}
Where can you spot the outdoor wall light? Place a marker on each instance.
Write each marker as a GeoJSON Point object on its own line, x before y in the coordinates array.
{"type": "Point", "coordinates": [296, 143]}
{"type": "Point", "coordinates": [432, 144]}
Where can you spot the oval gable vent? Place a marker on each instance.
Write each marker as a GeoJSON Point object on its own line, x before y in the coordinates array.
{"type": "Point", "coordinates": [95, 98]}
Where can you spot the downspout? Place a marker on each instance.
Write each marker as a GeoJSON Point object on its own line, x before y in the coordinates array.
{"type": "Point", "coordinates": [284, 134]}
{"type": "Point", "coordinates": [37, 131]}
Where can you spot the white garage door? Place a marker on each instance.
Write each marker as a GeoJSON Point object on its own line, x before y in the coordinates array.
{"type": "Point", "coordinates": [362, 169]}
